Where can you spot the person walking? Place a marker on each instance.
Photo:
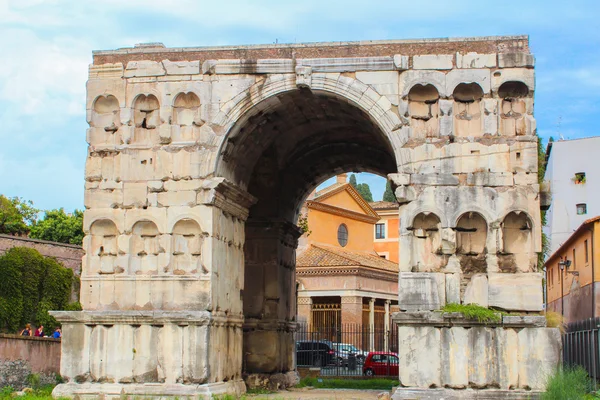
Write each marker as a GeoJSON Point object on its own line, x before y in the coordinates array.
{"type": "Point", "coordinates": [26, 331]}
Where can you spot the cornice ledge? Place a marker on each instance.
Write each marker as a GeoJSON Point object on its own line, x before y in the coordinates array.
{"type": "Point", "coordinates": [227, 196]}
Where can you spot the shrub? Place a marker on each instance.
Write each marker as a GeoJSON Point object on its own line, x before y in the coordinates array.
{"type": "Point", "coordinates": [30, 286]}
{"type": "Point", "coordinates": [568, 384]}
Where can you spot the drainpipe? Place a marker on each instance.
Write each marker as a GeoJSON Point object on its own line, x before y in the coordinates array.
{"type": "Point", "coordinates": [593, 276]}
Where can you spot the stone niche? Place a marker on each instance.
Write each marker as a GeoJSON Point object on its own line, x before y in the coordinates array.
{"type": "Point", "coordinates": [186, 121]}
{"type": "Point", "coordinates": [471, 239]}
{"type": "Point", "coordinates": [467, 112]}
{"type": "Point", "coordinates": [513, 106]}
{"type": "Point", "coordinates": [102, 248]}
{"type": "Point", "coordinates": [427, 244]}
{"type": "Point", "coordinates": [186, 247]}
{"type": "Point", "coordinates": [105, 121]}
{"type": "Point", "coordinates": [144, 249]}
{"type": "Point", "coordinates": [518, 253]}
{"type": "Point", "coordinates": [424, 110]}
{"type": "Point", "coordinates": [146, 119]}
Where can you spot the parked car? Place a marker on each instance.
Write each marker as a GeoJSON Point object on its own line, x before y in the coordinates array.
{"type": "Point", "coordinates": [314, 353]}
{"type": "Point", "coordinates": [381, 363]}
{"type": "Point", "coordinates": [343, 350]}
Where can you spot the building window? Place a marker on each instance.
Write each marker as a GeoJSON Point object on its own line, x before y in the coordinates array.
{"type": "Point", "coordinates": [379, 231]}
{"type": "Point", "coordinates": [574, 265]}
{"type": "Point", "coordinates": [579, 178]}
{"type": "Point", "coordinates": [585, 244]}
{"type": "Point", "coordinates": [581, 209]}
{"type": "Point", "coordinates": [343, 235]}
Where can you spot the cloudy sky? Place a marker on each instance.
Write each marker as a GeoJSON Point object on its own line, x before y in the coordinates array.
{"type": "Point", "coordinates": [46, 46]}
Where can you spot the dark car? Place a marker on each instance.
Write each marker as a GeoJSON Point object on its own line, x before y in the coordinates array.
{"type": "Point", "coordinates": [381, 363]}
{"type": "Point", "coordinates": [314, 353]}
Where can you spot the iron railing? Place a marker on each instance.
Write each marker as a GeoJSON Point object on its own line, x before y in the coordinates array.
{"type": "Point", "coordinates": [343, 350]}
{"type": "Point", "coordinates": [581, 347]}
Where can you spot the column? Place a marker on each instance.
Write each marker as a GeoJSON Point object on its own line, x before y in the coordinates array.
{"type": "Point", "coordinates": [372, 325]}
{"type": "Point", "coordinates": [351, 310]}
{"type": "Point", "coordinates": [386, 324]}
{"type": "Point", "coordinates": [352, 318]}
{"type": "Point", "coordinates": [305, 311]}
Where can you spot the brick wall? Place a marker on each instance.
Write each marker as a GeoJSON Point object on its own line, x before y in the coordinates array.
{"type": "Point", "coordinates": [67, 254]}
{"type": "Point", "coordinates": [41, 354]}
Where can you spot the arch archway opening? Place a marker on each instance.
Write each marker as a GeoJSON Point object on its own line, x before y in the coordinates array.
{"type": "Point", "coordinates": [280, 151]}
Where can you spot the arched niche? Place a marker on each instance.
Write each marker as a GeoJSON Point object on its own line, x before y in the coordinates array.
{"type": "Point", "coordinates": [103, 250]}
{"type": "Point", "coordinates": [467, 110]}
{"type": "Point", "coordinates": [146, 118]}
{"type": "Point", "coordinates": [424, 109]}
{"type": "Point", "coordinates": [186, 117]}
{"type": "Point", "coordinates": [426, 243]}
{"type": "Point", "coordinates": [471, 234]}
{"type": "Point", "coordinates": [186, 247]}
{"type": "Point", "coordinates": [106, 113]}
{"type": "Point", "coordinates": [513, 108]}
{"type": "Point", "coordinates": [517, 243]}
{"type": "Point", "coordinates": [144, 248]}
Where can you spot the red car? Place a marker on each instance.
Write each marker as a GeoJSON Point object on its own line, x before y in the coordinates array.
{"type": "Point", "coordinates": [381, 363]}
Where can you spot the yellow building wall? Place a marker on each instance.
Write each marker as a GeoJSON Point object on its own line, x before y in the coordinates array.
{"type": "Point", "coordinates": [578, 264]}
{"type": "Point", "coordinates": [390, 244]}
{"type": "Point", "coordinates": [324, 227]}
{"type": "Point", "coordinates": [343, 200]}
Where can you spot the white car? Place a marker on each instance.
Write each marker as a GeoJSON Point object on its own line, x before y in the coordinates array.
{"type": "Point", "coordinates": [342, 350]}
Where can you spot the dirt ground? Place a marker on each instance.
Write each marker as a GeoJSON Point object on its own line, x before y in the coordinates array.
{"type": "Point", "coordinates": [323, 394]}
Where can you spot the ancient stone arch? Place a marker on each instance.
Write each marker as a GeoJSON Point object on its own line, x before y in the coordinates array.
{"type": "Point", "coordinates": [205, 189]}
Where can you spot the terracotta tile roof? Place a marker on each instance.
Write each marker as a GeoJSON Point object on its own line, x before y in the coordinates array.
{"type": "Point", "coordinates": [325, 256]}
{"type": "Point", "coordinates": [378, 205]}
{"type": "Point", "coordinates": [571, 238]}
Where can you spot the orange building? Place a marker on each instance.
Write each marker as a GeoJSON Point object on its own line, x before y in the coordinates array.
{"type": "Point", "coordinates": [341, 278]}
{"type": "Point", "coordinates": [572, 275]}
{"type": "Point", "coordinates": [386, 233]}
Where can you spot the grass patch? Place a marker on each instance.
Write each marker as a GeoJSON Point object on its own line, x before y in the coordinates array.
{"type": "Point", "coordinates": [568, 383]}
{"type": "Point", "coordinates": [259, 391]}
{"type": "Point", "coordinates": [473, 311]}
{"type": "Point", "coordinates": [40, 393]}
{"type": "Point", "coordinates": [361, 384]}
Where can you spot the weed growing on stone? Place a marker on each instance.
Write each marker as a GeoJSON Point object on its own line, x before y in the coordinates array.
{"type": "Point", "coordinates": [473, 311]}
{"type": "Point", "coordinates": [555, 320]}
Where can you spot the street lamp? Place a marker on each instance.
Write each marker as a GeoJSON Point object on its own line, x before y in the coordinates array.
{"type": "Point", "coordinates": [562, 264]}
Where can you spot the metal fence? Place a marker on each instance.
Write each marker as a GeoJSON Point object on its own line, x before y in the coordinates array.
{"type": "Point", "coordinates": [581, 347]}
{"type": "Point", "coordinates": [344, 349]}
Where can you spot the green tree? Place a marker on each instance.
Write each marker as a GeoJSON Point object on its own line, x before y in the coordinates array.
{"type": "Point", "coordinates": [365, 191]}
{"type": "Point", "coordinates": [353, 181]}
{"type": "Point", "coordinates": [388, 195]}
{"type": "Point", "coordinates": [16, 215]}
{"type": "Point", "coordinates": [58, 226]}
{"type": "Point", "coordinates": [30, 286]}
